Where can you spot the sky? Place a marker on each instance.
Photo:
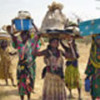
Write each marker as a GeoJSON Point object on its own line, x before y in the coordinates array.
{"type": "Point", "coordinates": [85, 9]}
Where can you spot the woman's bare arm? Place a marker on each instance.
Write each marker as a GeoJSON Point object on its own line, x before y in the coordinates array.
{"type": "Point", "coordinates": [63, 45]}
{"type": "Point", "coordinates": [40, 53]}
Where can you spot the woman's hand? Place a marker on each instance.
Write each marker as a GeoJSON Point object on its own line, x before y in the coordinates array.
{"type": "Point", "coordinates": [27, 81]}
{"type": "Point", "coordinates": [70, 41]}
{"type": "Point", "coordinates": [9, 30]}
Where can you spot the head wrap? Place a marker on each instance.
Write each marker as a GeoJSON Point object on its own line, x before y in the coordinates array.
{"type": "Point", "coordinates": [52, 39]}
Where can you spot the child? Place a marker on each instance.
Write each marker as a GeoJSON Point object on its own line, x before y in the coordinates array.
{"type": "Point", "coordinates": [5, 63]}
{"type": "Point", "coordinates": [72, 76]}
{"type": "Point", "coordinates": [54, 87]}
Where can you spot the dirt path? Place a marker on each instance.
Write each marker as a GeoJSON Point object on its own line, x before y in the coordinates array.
{"type": "Point", "coordinates": [11, 93]}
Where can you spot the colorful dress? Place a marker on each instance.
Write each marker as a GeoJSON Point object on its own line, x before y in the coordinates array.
{"type": "Point", "coordinates": [93, 69]}
{"type": "Point", "coordinates": [5, 64]}
{"type": "Point", "coordinates": [54, 87]}
{"type": "Point", "coordinates": [26, 66]}
{"type": "Point", "coordinates": [72, 75]}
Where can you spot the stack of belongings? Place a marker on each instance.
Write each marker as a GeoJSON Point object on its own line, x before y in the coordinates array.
{"type": "Point", "coordinates": [89, 27]}
{"type": "Point", "coordinates": [55, 23]}
{"type": "Point", "coordinates": [23, 22]}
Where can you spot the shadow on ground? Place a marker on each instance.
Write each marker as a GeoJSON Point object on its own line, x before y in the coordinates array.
{"type": "Point", "coordinates": [8, 93]}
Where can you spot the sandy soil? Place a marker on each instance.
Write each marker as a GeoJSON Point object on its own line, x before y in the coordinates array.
{"type": "Point", "coordinates": [11, 93]}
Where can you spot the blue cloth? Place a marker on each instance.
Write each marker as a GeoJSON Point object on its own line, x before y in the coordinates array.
{"type": "Point", "coordinates": [87, 85]}
{"type": "Point", "coordinates": [89, 27]}
{"type": "Point", "coordinates": [73, 62]}
{"type": "Point", "coordinates": [97, 37]}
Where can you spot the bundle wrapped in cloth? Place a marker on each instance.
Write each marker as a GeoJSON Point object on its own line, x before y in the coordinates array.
{"type": "Point", "coordinates": [23, 22]}
{"type": "Point", "coordinates": [90, 27]}
{"type": "Point", "coordinates": [4, 36]}
{"type": "Point", "coordinates": [55, 23]}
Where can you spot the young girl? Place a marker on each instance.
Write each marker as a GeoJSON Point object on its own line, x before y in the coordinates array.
{"type": "Point", "coordinates": [6, 71]}
{"type": "Point", "coordinates": [72, 76]}
{"type": "Point", "coordinates": [54, 87]}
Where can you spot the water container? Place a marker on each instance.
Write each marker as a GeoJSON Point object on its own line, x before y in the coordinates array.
{"type": "Point", "coordinates": [23, 24]}
{"type": "Point", "coordinates": [87, 85]}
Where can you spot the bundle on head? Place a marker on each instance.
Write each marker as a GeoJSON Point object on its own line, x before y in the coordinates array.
{"type": "Point", "coordinates": [24, 15]}
{"type": "Point", "coordinates": [55, 6]}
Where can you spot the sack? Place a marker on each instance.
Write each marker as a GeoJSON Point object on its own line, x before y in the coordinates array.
{"type": "Point", "coordinates": [23, 24]}
{"type": "Point", "coordinates": [87, 85]}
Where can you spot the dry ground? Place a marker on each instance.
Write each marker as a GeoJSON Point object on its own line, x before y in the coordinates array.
{"type": "Point", "coordinates": [11, 93]}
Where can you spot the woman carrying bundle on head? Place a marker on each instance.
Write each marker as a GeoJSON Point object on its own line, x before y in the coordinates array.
{"type": "Point", "coordinates": [26, 65]}
{"type": "Point", "coordinates": [54, 87]}
{"type": "Point", "coordinates": [72, 76]}
{"type": "Point", "coordinates": [93, 68]}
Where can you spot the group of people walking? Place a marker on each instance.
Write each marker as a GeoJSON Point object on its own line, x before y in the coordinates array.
{"type": "Point", "coordinates": [55, 80]}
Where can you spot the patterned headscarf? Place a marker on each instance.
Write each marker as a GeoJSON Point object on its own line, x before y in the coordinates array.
{"type": "Point", "coordinates": [95, 52]}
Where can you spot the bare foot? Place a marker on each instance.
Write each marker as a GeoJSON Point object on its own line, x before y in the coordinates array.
{"type": "Point", "coordinates": [14, 85]}
{"type": "Point", "coordinates": [79, 98]}
{"type": "Point", "coordinates": [33, 91]}
{"type": "Point", "coordinates": [7, 84]}
{"type": "Point", "coordinates": [71, 96]}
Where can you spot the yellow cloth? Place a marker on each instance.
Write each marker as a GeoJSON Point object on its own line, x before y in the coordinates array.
{"type": "Point", "coordinates": [72, 77]}
{"type": "Point", "coordinates": [5, 64]}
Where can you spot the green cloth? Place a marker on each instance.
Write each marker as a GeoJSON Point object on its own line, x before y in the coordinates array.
{"type": "Point", "coordinates": [93, 69]}
{"type": "Point", "coordinates": [24, 71]}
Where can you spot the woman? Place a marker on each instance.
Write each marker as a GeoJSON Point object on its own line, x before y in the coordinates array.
{"type": "Point", "coordinates": [54, 87]}
{"type": "Point", "coordinates": [72, 76]}
{"type": "Point", "coordinates": [93, 67]}
{"type": "Point", "coordinates": [5, 63]}
{"type": "Point", "coordinates": [26, 65]}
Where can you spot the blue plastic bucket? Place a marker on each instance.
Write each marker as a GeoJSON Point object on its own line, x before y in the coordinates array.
{"type": "Point", "coordinates": [87, 85]}
{"type": "Point", "coordinates": [23, 24]}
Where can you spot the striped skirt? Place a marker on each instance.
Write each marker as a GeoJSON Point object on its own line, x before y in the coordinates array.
{"type": "Point", "coordinates": [54, 88]}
